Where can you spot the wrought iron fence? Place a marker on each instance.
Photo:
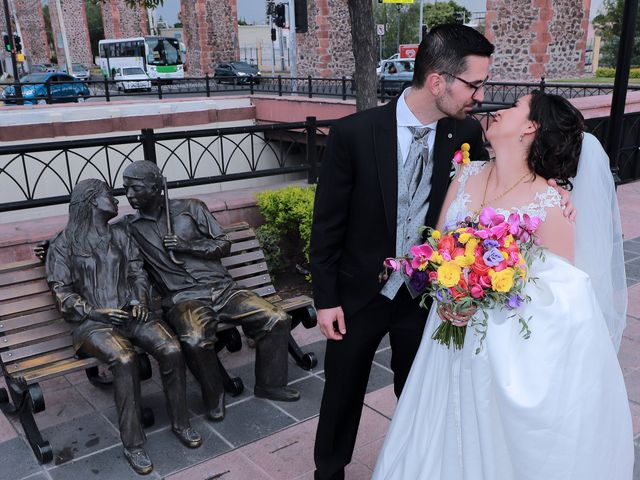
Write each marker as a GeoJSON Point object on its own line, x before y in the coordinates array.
{"type": "Point", "coordinates": [344, 87]}
{"type": "Point", "coordinates": [43, 174]}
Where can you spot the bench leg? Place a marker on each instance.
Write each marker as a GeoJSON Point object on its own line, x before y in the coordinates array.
{"type": "Point", "coordinates": [306, 361]}
{"type": "Point", "coordinates": [234, 386]}
{"type": "Point", "coordinates": [305, 315]}
{"type": "Point", "coordinates": [27, 400]}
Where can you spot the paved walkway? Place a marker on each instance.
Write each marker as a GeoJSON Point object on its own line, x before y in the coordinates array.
{"type": "Point", "coordinates": [259, 439]}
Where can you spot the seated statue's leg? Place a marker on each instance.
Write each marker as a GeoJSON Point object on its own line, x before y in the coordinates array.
{"type": "Point", "coordinates": [194, 322]}
{"type": "Point", "coordinates": [155, 338]}
{"type": "Point", "coordinates": [117, 351]}
{"type": "Point", "coordinates": [269, 326]}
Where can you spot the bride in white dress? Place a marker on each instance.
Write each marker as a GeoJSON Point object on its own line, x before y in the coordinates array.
{"type": "Point", "coordinates": [554, 406]}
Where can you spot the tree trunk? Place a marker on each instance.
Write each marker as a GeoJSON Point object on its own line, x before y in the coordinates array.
{"type": "Point", "coordinates": [364, 51]}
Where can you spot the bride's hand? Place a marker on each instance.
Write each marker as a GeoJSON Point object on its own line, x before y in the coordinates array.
{"type": "Point", "coordinates": [568, 210]}
{"type": "Point", "coordinates": [458, 319]}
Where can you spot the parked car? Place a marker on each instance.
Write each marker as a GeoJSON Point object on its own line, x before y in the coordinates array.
{"type": "Point", "coordinates": [62, 87]}
{"type": "Point", "coordinates": [79, 71]}
{"type": "Point", "coordinates": [396, 75]}
{"type": "Point", "coordinates": [237, 73]}
{"type": "Point", "coordinates": [43, 68]}
{"type": "Point", "coordinates": [132, 78]}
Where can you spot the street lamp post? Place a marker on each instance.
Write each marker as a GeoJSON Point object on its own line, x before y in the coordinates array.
{"type": "Point", "coordinates": [14, 63]}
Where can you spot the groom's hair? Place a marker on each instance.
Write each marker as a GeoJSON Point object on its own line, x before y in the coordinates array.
{"type": "Point", "coordinates": [445, 48]}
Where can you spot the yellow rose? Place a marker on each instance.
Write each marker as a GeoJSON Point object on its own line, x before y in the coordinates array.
{"type": "Point", "coordinates": [465, 147]}
{"type": "Point", "coordinates": [449, 274]}
{"type": "Point", "coordinates": [471, 245]}
{"type": "Point", "coordinates": [435, 234]}
{"type": "Point", "coordinates": [502, 281]}
{"type": "Point", "coordinates": [464, 238]}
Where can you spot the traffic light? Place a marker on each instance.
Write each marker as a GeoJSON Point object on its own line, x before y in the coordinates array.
{"type": "Point", "coordinates": [273, 34]}
{"type": "Point", "coordinates": [7, 43]}
{"type": "Point", "coordinates": [280, 20]}
{"type": "Point", "coordinates": [17, 41]}
{"type": "Point", "coordinates": [302, 25]}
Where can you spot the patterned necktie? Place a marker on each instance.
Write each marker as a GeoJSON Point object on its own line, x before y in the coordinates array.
{"type": "Point", "coordinates": [417, 158]}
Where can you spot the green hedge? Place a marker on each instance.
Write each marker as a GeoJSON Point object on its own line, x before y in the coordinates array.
{"type": "Point", "coordinates": [611, 72]}
{"type": "Point", "coordinates": [286, 234]}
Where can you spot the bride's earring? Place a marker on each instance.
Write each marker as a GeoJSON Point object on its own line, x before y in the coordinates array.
{"type": "Point", "coordinates": [520, 138]}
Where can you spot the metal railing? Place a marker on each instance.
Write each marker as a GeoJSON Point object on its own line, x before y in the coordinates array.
{"type": "Point", "coordinates": [496, 92]}
{"type": "Point", "coordinates": [42, 174]}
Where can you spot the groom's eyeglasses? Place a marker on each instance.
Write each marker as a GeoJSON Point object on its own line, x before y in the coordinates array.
{"type": "Point", "coordinates": [473, 85]}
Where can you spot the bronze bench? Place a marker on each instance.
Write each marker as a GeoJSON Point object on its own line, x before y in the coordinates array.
{"type": "Point", "coordinates": [35, 342]}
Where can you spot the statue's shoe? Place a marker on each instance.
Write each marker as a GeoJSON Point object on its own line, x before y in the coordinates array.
{"type": "Point", "coordinates": [217, 412]}
{"type": "Point", "coordinates": [281, 394]}
{"type": "Point", "coordinates": [188, 436]}
{"type": "Point", "coordinates": [139, 460]}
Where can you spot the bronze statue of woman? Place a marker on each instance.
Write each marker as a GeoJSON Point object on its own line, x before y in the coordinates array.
{"type": "Point", "coordinates": [95, 271]}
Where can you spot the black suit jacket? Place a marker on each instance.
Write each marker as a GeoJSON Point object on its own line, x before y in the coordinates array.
{"type": "Point", "coordinates": [354, 219]}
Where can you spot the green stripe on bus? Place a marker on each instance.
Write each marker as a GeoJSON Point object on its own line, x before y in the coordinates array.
{"type": "Point", "coordinates": [166, 68]}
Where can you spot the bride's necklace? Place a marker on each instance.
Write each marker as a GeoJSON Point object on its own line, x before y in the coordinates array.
{"type": "Point", "coordinates": [486, 202]}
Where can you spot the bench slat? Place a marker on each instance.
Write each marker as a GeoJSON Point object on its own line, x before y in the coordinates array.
{"type": "Point", "coordinates": [21, 265]}
{"type": "Point", "coordinates": [241, 235]}
{"type": "Point", "coordinates": [254, 281]}
{"type": "Point", "coordinates": [25, 275]}
{"type": "Point", "coordinates": [246, 245]}
{"type": "Point", "coordinates": [35, 334]}
{"type": "Point", "coordinates": [34, 302]}
{"type": "Point", "coordinates": [294, 303]}
{"type": "Point", "coordinates": [255, 269]}
{"type": "Point", "coordinates": [32, 350]}
{"type": "Point", "coordinates": [70, 366]}
{"type": "Point", "coordinates": [29, 321]}
{"type": "Point", "coordinates": [40, 360]}
{"type": "Point", "coordinates": [264, 291]}
{"type": "Point", "coordinates": [15, 291]}
{"type": "Point", "coordinates": [242, 258]}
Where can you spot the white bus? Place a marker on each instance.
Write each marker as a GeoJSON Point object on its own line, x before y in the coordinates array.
{"type": "Point", "coordinates": [160, 57]}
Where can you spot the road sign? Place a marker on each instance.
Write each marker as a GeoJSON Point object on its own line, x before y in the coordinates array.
{"type": "Point", "coordinates": [397, 1]}
{"type": "Point", "coordinates": [408, 50]}
{"type": "Point", "coordinates": [380, 29]}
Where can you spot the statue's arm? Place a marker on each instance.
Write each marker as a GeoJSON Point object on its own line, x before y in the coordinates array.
{"type": "Point", "coordinates": [136, 274]}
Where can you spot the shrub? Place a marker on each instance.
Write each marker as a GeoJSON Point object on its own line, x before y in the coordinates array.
{"type": "Point", "coordinates": [288, 214]}
{"type": "Point", "coordinates": [611, 72]}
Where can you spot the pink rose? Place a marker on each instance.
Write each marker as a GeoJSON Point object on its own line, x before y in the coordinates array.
{"type": "Point", "coordinates": [477, 291]}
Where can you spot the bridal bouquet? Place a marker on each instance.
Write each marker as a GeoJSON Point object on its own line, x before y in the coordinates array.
{"type": "Point", "coordinates": [480, 264]}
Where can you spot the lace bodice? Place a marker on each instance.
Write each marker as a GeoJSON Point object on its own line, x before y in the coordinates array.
{"type": "Point", "coordinates": [458, 209]}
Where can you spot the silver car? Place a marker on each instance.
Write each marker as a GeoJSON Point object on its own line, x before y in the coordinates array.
{"type": "Point", "coordinates": [79, 71]}
{"type": "Point", "coordinates": [396, 75]}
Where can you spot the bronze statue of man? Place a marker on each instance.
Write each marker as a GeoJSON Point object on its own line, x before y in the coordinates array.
{"type": "Point", "coordinates": [96, 273]}
{"type": "Point", "coordinates": [198, 291]}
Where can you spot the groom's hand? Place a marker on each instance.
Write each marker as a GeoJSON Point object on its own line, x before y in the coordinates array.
{"type": "Point", "coordinates": [331, 323]}
{"type": "Point", "coordinates": [568, 210]}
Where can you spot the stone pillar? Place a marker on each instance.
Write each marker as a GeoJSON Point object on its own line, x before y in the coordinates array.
{"type": "Point", "coordinates": [210, 34]}
{"type": "Point", "coordinates": [32, 31]}
{"type": "Point", "coordinates": [74, 14]}
{"type": "Point", "coordinates": [326, 49]}
{"type": "Point", "coordinates": [121, 21]}
{"type": "Point", "coordinates": [535, 38]}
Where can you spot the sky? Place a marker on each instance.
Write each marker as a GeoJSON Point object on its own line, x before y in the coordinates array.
{"type": "Point", "coordinates": [254, 10]}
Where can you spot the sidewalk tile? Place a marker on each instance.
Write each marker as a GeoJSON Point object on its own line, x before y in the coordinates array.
{"type": "Point", "coordinates": [632, 381]}
{"type": "Point", "coordinates": [383, 401]}
{"type": "Point", "coordinates": [17, 459]}
{"type": "Point", "coordinates": [79, 437]}
{"type": "Point", "coordinates": [287, 454]}
{"type": "Point", "coordinates": [368, 455]}
{"type": "Point", "coordinates": [7, 432]}
{"type": "Point", "coordinates": [251, 420]}
{"type": "Point", "coordinates": [229, 466]}
{"type": "Point", "coordinates": [169, 455]}
{"type": "Point", "coordinates": [373, 426]}
{"type": "Point", "coordinates": [310, 396]}
{"type": "Point", "coordinates": [106, 464]}
{"type": "Point", "coordinates": [632, 329]}
{"type": "Point", "coordinates": [53, 385]}
{"type": "Point", "coordinates": [354, 471]}
{"type": "Point", "coordinates": [635, 416]}
{"type": "Point", "coordinates": [155, 401]}
{"type": "Point", "coordinates": [634, 301]}
{"type": "Point", "coordinates": [307, 336]}
{"type": "Point", "coordinates": [629, 355]}
{"type": "Point", "coordinates": [378, 377]}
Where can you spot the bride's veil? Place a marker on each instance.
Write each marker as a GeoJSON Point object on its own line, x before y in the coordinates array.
{"type": "Point", "coordinates": [599, 234]}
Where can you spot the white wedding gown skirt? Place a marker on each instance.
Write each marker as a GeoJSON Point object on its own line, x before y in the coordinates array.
{"type": "Point", "coordinates": [553, 407]}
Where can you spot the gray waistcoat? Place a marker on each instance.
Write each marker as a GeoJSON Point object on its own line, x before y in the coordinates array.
{"type": "Point", "coordinates": [411, 216]}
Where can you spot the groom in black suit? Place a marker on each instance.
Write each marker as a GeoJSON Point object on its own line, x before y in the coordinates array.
{"type": "Point", "coordinates": [385, 173]}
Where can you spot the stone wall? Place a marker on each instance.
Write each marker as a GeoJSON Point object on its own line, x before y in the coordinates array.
{"type": "Point", "coordinates": [32, 31]}
{"type": "Point", "coordinates": [535, 38]}
{"type": "Point", "coordinates": [121, 21]}
{"type": "Point", "coordinates": [74, 14]}
{"type": "Point", "coordinates": [326, 49]}
{"type": "Point", "coordinates": [210, 34]}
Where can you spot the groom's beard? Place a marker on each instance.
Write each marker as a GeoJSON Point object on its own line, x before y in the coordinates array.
{"type": "Point", "coordinates": [459, 112]}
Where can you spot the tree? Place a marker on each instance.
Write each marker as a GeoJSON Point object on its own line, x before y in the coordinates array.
{"type": "Point", "coordinates": [94, 21]}
{"type": "Point", "coordinates": [47, 26]}
{"type": "Point", "coordinates": [608, 24]}
{"type": "Point", "coordinates": [364, 52]}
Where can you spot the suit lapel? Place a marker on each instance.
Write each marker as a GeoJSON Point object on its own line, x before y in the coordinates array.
{"type": "Point", "coordinates": [385, 147]}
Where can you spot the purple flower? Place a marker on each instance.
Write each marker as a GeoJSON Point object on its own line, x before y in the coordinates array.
{"type": "Point", "coordinates": [492, 257]}
{"type": "Point", "coordinates": [441, 296]}
{"type": "Point", "coordinates": [514, 301]}
{"type": "Point", "coordinates": [490, 243]}
{"type": "Point", "coordinates": [419, 281]}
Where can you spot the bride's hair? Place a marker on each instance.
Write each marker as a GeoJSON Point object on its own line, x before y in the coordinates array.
{"type": "Point", "coordinates": [556, 145]}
